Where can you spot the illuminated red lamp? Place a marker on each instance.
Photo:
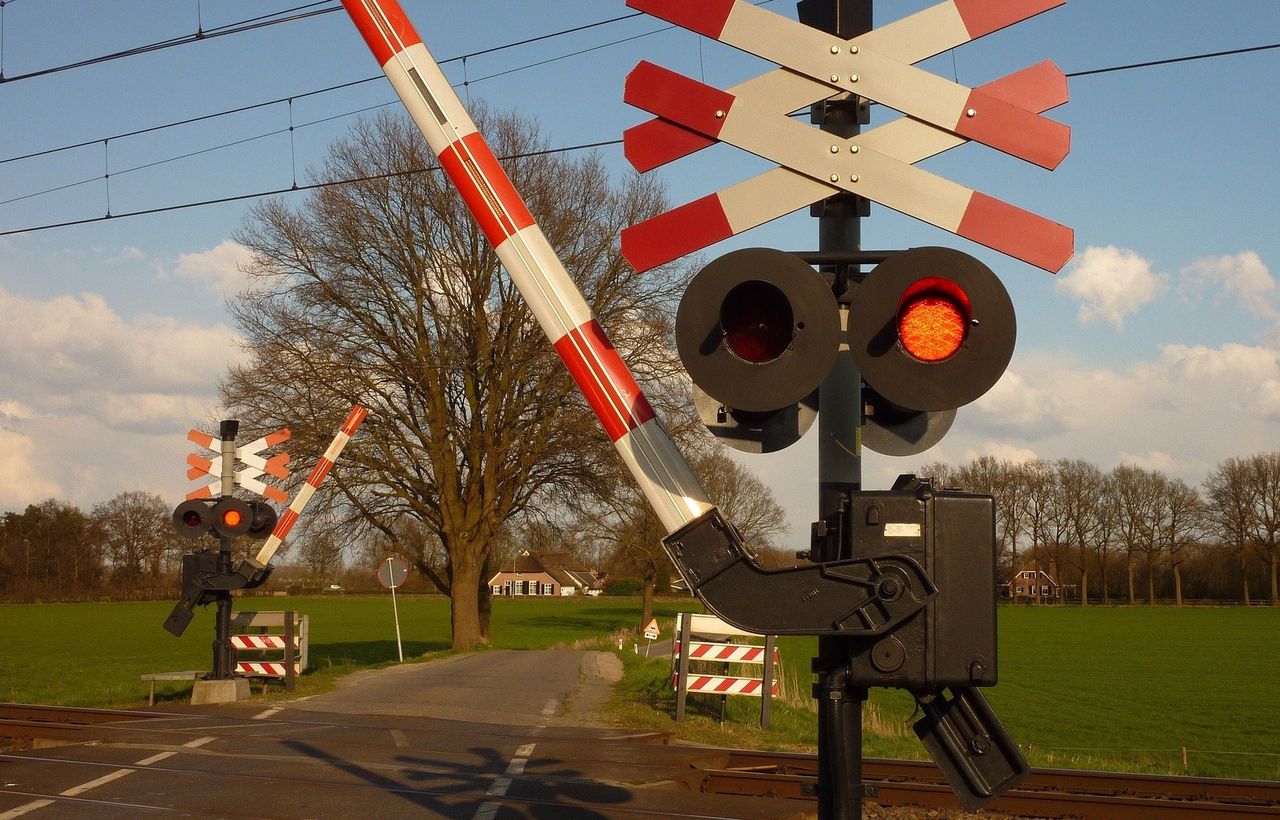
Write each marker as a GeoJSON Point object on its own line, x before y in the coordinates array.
{"type": "Point", "coordinates": [933, 319]}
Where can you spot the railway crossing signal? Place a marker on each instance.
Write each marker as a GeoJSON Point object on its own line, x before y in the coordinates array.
{"type": "Point", "coordinates": [917, 611]}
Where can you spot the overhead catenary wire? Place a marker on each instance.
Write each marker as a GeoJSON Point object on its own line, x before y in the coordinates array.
{"type": "Point", "coordinates": [489, 50]}
{"type": "Point", "coordinates": [277, 191]}
{"type": "Point", "coordinates": [200, 35]}
{"type": "Point", "coordinates": [344, 85]}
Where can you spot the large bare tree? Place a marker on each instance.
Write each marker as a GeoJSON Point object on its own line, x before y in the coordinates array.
{"type": "Point", "coordinates": [383, 291]}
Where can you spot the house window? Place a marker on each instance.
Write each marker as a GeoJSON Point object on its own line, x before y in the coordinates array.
{"type": "Point", "coordinates": [1044, 590]}
{"type": "Point", "coordinates": [548, 589]}
{"type": "Point", "coordinates": [1019, 590]}
{"type": "Point", "coordinates": [506, 588]}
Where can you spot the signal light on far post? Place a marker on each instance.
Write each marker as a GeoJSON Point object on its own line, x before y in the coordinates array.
{"type": "Point", "coordinates": [193, 518]}
{"type": "Point", "coordinates": [232, 517]}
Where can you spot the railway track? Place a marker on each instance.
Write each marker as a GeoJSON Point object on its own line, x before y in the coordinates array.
{"type": "Point", "coordinates": [741, 773]}
{"type": "Point", "coordinates": [21, 724]}
{"type": "Point", "coordinates": [1045, 792]}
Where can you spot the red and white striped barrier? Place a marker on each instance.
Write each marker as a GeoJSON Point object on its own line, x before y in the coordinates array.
{"type": "Point", "coordinates": [686, 651]}
{"type": "Point", "coordinates": [265, 669]}
{"type": "Point", "coordinates": [728, 685]}
{"type": "Point", "coordinates": [253, 635]}
{"type": "Point", "coordinates": [644, 444]}
{"type": "Point", "coordinates": [260, 642]}
{"type": "Point", "coordinates": [318, 473]}
{"type": "Point", "coordinates": [726, 652]}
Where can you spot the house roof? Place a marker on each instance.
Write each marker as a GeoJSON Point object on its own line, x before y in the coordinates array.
{"type": "Point", "coordinates": [552, 564]}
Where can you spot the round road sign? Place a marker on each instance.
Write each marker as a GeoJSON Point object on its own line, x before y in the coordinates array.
{"type": "Point", "coordinates": [392, 572]}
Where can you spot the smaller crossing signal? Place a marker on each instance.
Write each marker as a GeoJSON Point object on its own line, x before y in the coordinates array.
{"type": "Point", "coordinates": [229, 517]}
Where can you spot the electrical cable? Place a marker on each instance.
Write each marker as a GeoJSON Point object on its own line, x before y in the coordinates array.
{"type": "Point", "coordinates": [278, 191]}
{"type": "Point", "coordinates": [493, 49]}
{"type": "Point", "coordinates": [341, 86]}
{"type": "Point", "coordinates": [240, 27]}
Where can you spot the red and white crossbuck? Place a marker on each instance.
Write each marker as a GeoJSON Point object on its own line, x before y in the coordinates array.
{"type": "Point", "coordinates": [878, 164]}
{"type": "Point", "coordinates": [250, 455]}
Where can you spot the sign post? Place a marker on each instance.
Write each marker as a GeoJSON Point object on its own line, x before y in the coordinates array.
{"type": "Point", "coordinates": [391, 575]}
{"type": "Point", "coordinates": [650, 635]}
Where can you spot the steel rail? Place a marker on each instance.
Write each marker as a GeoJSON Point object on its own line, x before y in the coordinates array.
{"type": "Point", "coordinates": [1046, 792]}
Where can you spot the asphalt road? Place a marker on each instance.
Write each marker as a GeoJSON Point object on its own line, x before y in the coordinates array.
{"type": "Point", "coordinates": [529, 688]}
{"type": "Point", "coordinates": [476, 737]}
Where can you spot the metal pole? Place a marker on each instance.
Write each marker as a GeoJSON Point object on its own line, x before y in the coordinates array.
{"type": "Point", "coordinates": [395, 611]}
{"type": "Point", "coordinates": [223, 663]}
{"type": "Point", "coordinates": [839, 442]}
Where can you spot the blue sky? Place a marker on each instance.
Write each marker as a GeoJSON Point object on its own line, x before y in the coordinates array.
{"type": "Point", "coordinates": [1158, 345]}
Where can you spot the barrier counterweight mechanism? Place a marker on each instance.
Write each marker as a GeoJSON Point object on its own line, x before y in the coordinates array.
{"type": "Point", "coordinates": [899, 585]}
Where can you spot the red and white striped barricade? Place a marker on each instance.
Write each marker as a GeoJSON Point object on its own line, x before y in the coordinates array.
{"type": "Point", "coordinates": [253, 635]}
{"type": "Point", "coordinates": [691, 647]}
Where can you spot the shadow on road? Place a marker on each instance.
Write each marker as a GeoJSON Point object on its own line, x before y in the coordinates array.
{"type": "Point", "coordinates": [460, 788]}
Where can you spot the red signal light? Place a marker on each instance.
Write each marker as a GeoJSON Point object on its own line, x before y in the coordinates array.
{"type": "Point", "coordinates": [191, 518]}
{"type": "Point", "coordinates": [758, 322]}
{"type": "Point", "coordinates": [933, 319]}
{"type": "Point", "coordinates": [232, 518]}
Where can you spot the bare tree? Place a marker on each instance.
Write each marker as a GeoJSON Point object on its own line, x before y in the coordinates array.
{"type": "Point", "coordinates": [137, 536]}
{"type": "Point", "coordinates": [384, 291]}
{"type": "Point", "coordinates": [1039, 506]}
{"type": "Point", "coordinates": [1263, 471]}
{"type": "Point", "coordinates": [1137, 494]}
{"type": "Point", "coordinates": [1181, 516]}
{"type": "Point", "coordinates": [1081, 516]}
{"type": "Point", "coordinates": [1230, 512]}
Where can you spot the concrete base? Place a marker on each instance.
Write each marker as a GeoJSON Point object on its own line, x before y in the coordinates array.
{"type": "Point", "coordinates": [219, 691]}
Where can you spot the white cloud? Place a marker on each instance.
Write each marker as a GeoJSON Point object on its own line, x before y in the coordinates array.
{"type": "Point", "coordinates": [92, 402]}
{"type": "Point", "coordinates": [1182, 411]}
{"type": "Point", "coordinates": [1151, 460]}
{"type": "Point", "coordinates": [218, 269]}
{"type": "Point", "coordinates": [1243, 277]}
{"type": "Point", "coordinates": [20, 481]}
{"type": "Point", "coordinates": [15, 410]}
{"type": "Point", "coordinates": [72, 346]}
{"type": "Point", "coordinates": [1110, 283]}
{"type": "Point", "coordinates": [1003, 451]}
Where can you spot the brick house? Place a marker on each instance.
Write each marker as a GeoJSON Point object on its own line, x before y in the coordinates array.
{"type": "Point", "coordinates": [1031, 584]}
{"type": "Point", "coordinates": [545, 575]}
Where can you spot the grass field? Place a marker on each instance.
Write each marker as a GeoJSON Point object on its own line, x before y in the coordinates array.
{"type": "Point", "coordinates": [1113, 688]}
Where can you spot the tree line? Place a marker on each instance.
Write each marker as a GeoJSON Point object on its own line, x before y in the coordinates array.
{"type": "Point", "coordinates": [1134, 533]}
{"type": "Point", "coordinates": [124, 547]}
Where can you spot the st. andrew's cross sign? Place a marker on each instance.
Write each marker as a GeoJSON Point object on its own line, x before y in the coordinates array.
{"type": "Point", "coordinates": [877, 164]}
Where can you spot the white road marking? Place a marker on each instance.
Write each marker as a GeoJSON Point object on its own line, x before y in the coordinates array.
{"type": "Point", "coordinates": [101, 781]}
{"type": "Point", "coordinates": [400, 740]}
{"type": "Point", "coordinates": [267, 714]}
{"type": "Point", "coordinates": [502, 783]}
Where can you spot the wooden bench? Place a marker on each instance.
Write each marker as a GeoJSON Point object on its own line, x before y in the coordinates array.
{"type": "Point", "coordinates": [152, 677]}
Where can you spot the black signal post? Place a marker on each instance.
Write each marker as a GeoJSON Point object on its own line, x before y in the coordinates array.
{"type": "Point", "coordinates": [840, 788]}
{"type": "Point", "coordinates": [224, 660]}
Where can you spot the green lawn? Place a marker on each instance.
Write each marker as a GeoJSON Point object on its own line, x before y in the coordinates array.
{"type": "Point", "coordinates": [1109, 688]}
